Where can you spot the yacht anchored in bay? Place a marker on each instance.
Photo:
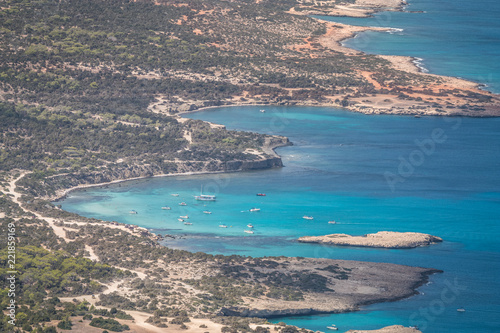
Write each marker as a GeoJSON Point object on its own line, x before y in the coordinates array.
{"type": "Point", "coordinates": [204, 197]}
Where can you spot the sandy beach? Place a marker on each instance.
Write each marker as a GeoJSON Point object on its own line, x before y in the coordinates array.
{"type": "Point", "coordinates": [339, 32]}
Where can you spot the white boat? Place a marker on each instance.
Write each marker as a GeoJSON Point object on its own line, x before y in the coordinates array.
{"type": "Point", "coordinates": [180, 220]}
{"type": "Point", "coordinates": [184, 217]}
{"type": "Point", "coordinates": [461, 310]}
{"type": "Point", "coordinates": [187, 223]}
{"type": "Point", "coordinates": [132, 212]}
{"type": "Point", "coordinates": [204, 197]}
{"type": "Point", "coordinates": [207, 212]}
{"type": "Point", "coordinates": [249, 225]}
{"type": "Point", "coordinates": [332, 222]}
{"type": "Point", "coordinates": [222, 226]}
{"type": "Point", "coordinates": [248, 231]}
{"type": "Point", "coordinates": [255, 210]}
{"type": "Point", "coordinates": [183, 204]}
{"type": "Point", "coordinates": [262, 110]}
{"type": "Point", "coordinates": [305, 217]}
{"type": "Point", "coordinates": [332, 327]}
{"type": "Point", "coordinates": [175, 195]}
{"type": "Point", "coordinates": [165, 208]}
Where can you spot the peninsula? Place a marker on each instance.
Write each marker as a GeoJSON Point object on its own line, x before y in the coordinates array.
{"type": "Point", "coordinates": [177, 56]}
{"type": "Point", "coordinates": [381, 239]}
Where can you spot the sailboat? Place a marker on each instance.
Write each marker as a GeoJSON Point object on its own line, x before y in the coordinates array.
{"type": "Point", "coordinates": [204, 197]}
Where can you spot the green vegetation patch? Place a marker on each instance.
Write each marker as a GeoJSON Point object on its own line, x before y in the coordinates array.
{"type": "Point", "coordinates": [109, 324]}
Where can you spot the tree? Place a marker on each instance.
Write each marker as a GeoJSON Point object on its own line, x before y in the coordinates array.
{"type": "Point", "coordinates": [65, 324]}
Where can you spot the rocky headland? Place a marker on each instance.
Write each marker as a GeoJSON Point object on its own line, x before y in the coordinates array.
{"type": "Point", "coordinates": [329, 286]}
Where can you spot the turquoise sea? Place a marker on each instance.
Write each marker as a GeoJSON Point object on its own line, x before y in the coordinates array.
{"type": "Point", "coordinates": [343, 167]}
{"type": "Point", "coordinates": [451, 37]}
{"type": "Point", "coordinates": [368, 173]}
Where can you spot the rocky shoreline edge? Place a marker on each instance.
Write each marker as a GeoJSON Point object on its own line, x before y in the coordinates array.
{"type": "Point", "coordinates": [341, 300]}
{"type": "Point", "coordinates": [74, 182]}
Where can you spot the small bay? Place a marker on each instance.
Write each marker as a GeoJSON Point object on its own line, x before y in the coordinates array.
{"type": "Point", "coordinates": [338, 169]}
{"type": "Point", "coordinates": [458, 38]}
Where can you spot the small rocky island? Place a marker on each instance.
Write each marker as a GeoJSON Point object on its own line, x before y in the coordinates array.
{"type": "Point", "coordinates": [389, 329]}
{"type": "Point", "coordinates": [381, 239]}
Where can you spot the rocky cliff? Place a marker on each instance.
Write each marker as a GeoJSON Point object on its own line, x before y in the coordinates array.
{"type": "Point", "coordinates": [57, 184]}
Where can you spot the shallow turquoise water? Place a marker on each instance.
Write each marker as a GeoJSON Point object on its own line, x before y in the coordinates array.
{"type": "Point", "coordinates": [338, 169]}
{"type": "Point", "coordinates": [453, 37]}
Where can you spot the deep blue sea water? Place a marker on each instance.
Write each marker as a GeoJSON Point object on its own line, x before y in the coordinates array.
{"type": "Point", "coordinates": [453, 37]}
{"type": "Point", "coordinates": [369, 173]}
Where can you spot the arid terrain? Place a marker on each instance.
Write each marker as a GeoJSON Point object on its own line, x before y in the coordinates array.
{"type": "Point", "coordinates": [92, 93]}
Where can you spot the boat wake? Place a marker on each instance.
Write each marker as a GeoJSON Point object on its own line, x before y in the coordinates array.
{"type": "Point", "coordinates": [393, 31]}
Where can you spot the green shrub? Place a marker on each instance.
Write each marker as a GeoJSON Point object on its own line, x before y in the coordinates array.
{"type": "Point", "coordinates": [109, 324]}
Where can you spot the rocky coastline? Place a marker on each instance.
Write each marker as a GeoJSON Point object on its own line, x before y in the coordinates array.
{"type": "Point", "coordinates": [66, 183]}
{"type": "Point", "coordinates": [352, 284]}
{"type": "Point", "coordinates": [439, 96]}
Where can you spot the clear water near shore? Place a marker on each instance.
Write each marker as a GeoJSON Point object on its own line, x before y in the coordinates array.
{"type": "Point", "coordinates": [338, 169]}
{"type": "Point", "coordinates": [458, 38]}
